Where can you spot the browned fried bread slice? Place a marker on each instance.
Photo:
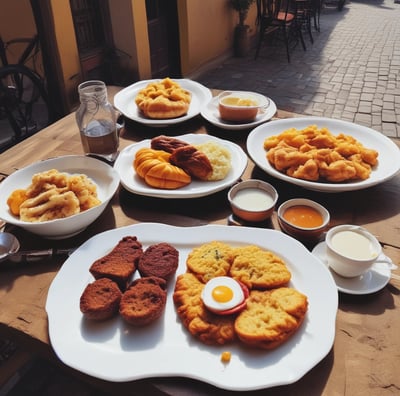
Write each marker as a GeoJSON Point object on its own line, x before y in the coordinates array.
{"type": "Point", "coordinates": [166, 143]}
{"type": "Point", "coordinates": [209, 328]}
{"type": "Point", "coordinates": [144, 301]}
{"type": "Point", "coordinates": [159, 260]}
{"type": "Point", "coordinates": [271, 317]}
{"type": "Point", "coordinates": [210, 260]}
{"type": "Point", "coordinates": [120, 263]}
{"type": "Point", "coordinates": [100, 299]}
{"type": "Point", "coordinates": [258, 268]}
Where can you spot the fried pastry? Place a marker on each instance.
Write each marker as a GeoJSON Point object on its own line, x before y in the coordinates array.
{"type": "Point", "coordinates": [163, 100]}
{"type": "Point", "coordinates": [144, 301]}
{"type": "Point", "coordinates": [159, 260]}
{"type": "Point", "coordinates": [317, 155]}
{"type": "Point", "coordinates": [192, 161]}
{"type": "Point", "coordinates": [258, 268]}
{"type": "Point", "coordinates": [120, 264]}
{"type": "Point", "coordinates": [271, 317]}
{"type": "Point", "coordinates": [210, 260]}
{"type": "Point", "coordinates": [210, 328]}
{"type": "Point", "coordinates": [100, 299]}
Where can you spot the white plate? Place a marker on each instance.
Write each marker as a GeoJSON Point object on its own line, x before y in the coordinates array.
{"type": "Point", "coordinates": [115, 351]}
{"type": "Point", "coordinates": [102, 174]}
{"type": "Point", "coordinates": [373, 280]}
{"type": "Point", "coordinates": [124, 101]}
{"type": "Point", "coordinates": [389, 153]}
{"type": "Point", "coordinates": [197, 188]}
{"type": "Point", "coordinates": [211, 114]}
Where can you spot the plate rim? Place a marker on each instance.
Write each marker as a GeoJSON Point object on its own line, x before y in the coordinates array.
{"type": "Point", "coordinates": [315, 186]}
{"type": "Point", "coordinates": [239, 127]}
{"type": "Point", "coordinates": [295, 370]}
{"type": "Point", "coordinates": [180, 193]}
{"type": "Point", "coordinates": [167, 122]}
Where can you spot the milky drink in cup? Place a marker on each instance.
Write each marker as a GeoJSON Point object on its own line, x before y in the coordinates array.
{"type": "Point", "coordinates": [352, 251]}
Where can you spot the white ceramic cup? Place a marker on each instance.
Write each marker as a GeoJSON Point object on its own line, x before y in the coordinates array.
{"type": "Point", "coordinates": [352, 250]}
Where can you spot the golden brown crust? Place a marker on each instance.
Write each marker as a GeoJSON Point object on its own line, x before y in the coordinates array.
{"type": "Point", "coordinates": [192, 161]}
{"type": "Point", "coordinates": [271, 317]}
{"type": "Point", "coordinates": [120, 264]}
{"type": "Point", "coordinates": [164, 99]}
{"type": "Point", "coordinates": [144, 301]}
{"type": "Point", "coordinates": [209, 328]}
{"type": "Point", "coordinates": [100, 299]}
{"type": "Point", "coordinates": [258, 268]}
{"type": "Point", "coordinates": [156, 170]}
{"type": "Point", "coordinates": [210, 260]}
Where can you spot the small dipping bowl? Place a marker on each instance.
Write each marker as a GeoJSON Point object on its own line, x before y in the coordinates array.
{"type": "Point", "coordinates": [253, 200]}
{"type": "Point", "coordinates": [241, 106]}
{"type": "Point", "coordinates": [8, 244]}
{"type": "Point", "coordinates": [303, 219]}
{"type": "Point", "coordinates": [352, 250]}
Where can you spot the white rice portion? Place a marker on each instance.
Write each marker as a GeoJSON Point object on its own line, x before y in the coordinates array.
{"type": "Point", "coordinates": [220, 158]}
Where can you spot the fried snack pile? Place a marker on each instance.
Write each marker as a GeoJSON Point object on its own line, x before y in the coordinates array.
{"type": "Point", "coordinates": [163, 99]}
{"type": "Point", "coordinates": [53, 195]}
{"type": "Point", "coordinates": [273, 313]}
{"type": "Point", "coordinates": [317, 155]}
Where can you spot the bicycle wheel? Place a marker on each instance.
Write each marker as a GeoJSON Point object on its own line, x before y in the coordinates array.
{"type": "Point", "coordinates": [24, 104]}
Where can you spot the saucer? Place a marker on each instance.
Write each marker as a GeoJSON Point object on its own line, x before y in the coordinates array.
{"type": "Point", "coordinates": [211, 114]}
{"type": "Point", "coordinates": [373, 280]}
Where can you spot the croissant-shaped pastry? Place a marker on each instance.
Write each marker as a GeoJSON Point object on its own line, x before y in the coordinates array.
{"type": "Point", "coordinates": [154, 167]}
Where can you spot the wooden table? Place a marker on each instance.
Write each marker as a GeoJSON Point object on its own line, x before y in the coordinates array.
{"type": "Point", "coordinates": [365, 357]}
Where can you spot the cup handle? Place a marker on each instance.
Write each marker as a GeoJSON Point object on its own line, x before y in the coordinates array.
{"type": "Point", "coordinates": [389, 264]}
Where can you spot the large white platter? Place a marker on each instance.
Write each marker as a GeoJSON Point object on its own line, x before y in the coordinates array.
{"type": "Point", "coordinates": [117, 352]}
{"type": "Point", "coordinates": [124, 101]}
{"type": "Point", "coordinates": [211, 114]}
{"type": "Point", "coordinates": [197, 188]}
{"type": "Point", "coordinates": [389, 153]}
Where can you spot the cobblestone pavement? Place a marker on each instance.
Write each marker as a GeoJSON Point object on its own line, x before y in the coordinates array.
{"type": "Point", "coordinates": [351, 72]}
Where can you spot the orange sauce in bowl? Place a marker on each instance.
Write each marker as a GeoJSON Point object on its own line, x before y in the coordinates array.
{"type": "Point", "coordinates": [303, 216]}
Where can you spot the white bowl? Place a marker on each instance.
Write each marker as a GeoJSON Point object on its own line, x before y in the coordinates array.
{"type": "Point", "coordinates": [103, 175]}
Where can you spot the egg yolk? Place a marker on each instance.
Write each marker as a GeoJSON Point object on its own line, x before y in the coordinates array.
{"type": "Point", "coordinates": [222, 294]}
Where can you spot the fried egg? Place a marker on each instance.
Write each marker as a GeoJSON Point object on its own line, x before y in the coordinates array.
{"type": "Point", "coordinates": [222, 293]}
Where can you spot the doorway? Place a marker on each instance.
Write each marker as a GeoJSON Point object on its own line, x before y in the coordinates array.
{"type": "Point", "coordinates": [92, 26]}
{"type": "Point", "coordinates": [163, 28]}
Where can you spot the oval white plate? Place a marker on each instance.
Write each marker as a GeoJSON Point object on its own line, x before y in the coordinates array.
{"type": "Point", "coordinates": [389, 153]}
{"type": "Point", "coordinates": [124, 101]}
{"type": "Point", "coordinates": [114, 351]}
{"type": "Point", "coordinates": [372, 281]}
{"type": "Point", "coordinates": [211, 114]}
{"type": "Point", "coordinates": [197, 188]}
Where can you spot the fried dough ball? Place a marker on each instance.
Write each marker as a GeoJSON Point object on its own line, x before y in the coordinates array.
{"type": "Point", "coordinates": [15, 200]}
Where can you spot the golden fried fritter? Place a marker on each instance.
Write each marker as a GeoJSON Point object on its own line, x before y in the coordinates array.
{"type": "Point", "coordinates": [316, 154]}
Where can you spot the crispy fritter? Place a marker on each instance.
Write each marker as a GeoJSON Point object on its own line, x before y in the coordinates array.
{"type": "Point", "coordinates": [210, 260]}
{"type": "Point", "coordinates": [209, 328]}
{"type": "Point", "coordinates": [258, 268]}
{"type": "Point", "coordinates": [315, 154]}
{"type": "Point", "coordinates": [271, 317]}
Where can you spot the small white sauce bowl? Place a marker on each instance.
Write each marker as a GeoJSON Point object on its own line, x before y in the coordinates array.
{"type": "Point", "coordinates": [253, 200]}
{"type": "Point", "coordinates": [355, 263]}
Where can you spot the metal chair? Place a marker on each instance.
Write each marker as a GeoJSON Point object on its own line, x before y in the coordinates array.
{"type": "Point", "coordinates": [278, 16]}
